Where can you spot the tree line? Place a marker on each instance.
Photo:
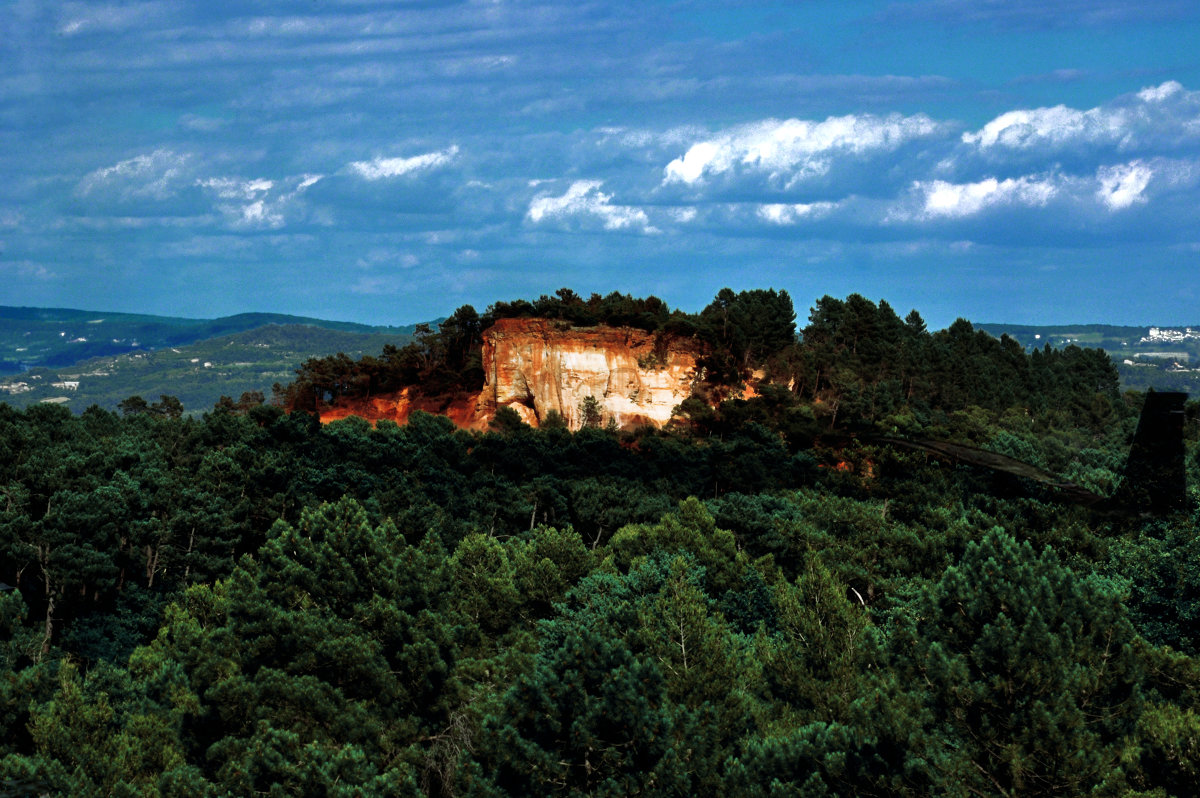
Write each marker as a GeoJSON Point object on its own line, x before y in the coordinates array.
{"type": "Point", "coordinates": [855, 364]}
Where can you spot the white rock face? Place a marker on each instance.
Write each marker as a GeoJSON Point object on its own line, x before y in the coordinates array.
{"type": "Point", "coordinates": [535, 366]}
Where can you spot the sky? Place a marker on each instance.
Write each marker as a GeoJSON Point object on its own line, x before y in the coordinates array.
{"type": "Point", "coordinates": [1014, 161]}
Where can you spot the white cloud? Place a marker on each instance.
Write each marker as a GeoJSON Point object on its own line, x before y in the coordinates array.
{"type": "Point", "coordinates": [256, 203]}
{"type": "Point", "coordinates": [1122, 186]}
{"type": "Point", "coordinates": [702, 157]}
{"type": "Point", "coordinates": [236, 188]}
{"type": "Point", "coordinates": [784, 214]}
{"type": "Point", "coordinates": [1155, 115]}
{"type": "Point", "coordinates": [1025, 129]}
{"type": "Point", "coordinates": [381, 168]}
{"type": "Point", "coordinates": [584, 198]}
{"type": "Point", "coordinates": [940, 199]}
{"type": "Point", "coordinates": [1153, 94]}
{"type": "Point", "coordinates": [793, 150]}
{"type": "Point", "coordinates": [155, 175]}
{"type": "Point", "coordinates": [257, 214]}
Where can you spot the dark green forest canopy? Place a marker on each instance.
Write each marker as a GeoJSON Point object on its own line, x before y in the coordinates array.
{"type": "Point", "coordinates": [756, 601]}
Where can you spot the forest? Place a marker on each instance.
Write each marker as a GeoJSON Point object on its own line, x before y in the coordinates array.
{"type": "Point", "coordinates": [768, 597]}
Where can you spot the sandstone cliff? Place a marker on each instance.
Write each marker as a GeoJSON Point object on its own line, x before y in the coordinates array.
{"type": "Point", "coordinates": [536, 366]}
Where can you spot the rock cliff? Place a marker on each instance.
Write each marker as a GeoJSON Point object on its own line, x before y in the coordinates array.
{"type": "Point", "coordinates": [536, 366]}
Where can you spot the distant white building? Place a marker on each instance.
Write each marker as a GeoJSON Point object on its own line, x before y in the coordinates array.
{"type": "Point", "coordinates": [1166, 334]}
{"type": "Point", "coordinates": [67, 385]}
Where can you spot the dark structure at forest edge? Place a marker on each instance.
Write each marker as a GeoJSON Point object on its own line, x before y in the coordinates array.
{"type": "Point", "coordinates": [1154, 481]}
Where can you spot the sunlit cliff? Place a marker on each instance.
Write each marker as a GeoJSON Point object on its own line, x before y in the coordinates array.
{"type": "Point", "coordinates": [539, 366]}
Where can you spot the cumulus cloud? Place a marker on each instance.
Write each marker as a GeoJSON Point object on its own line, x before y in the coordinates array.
{"type": "Point", "coordinates": [1123, 185]}
{"type": "Point", "coordinates": [792, 150]}
{"type": "Point", "coordinates": [785, 214]}
{"type": "Point", "coordinates": [1156, 94]}
{"type": "Point", "coordinates": [382, 168]}
{"type": "Point", "coordinates": [1077, 165]}
{"type": "Point", "coordinates": [1070, 201]}
{"type": "Point", "coordinates": [1024, 129]}
{"type": "Point", "coordinates": [1157, 116]}
{"type": "Point", "coordinates": [940, 199]}
{"type": "Point", "coordinates": [154, 175]}
{"type": "Point", "coordinates": [585, 199]}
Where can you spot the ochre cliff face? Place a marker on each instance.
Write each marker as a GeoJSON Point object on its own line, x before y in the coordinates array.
{"type": "Point", "coordinates": [535, 366]}
{"type": "Point", "coordinates": [399, 406]}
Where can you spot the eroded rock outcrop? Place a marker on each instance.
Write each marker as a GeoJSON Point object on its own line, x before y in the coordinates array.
{"type": "Point", "coordinates": [398, 407]}
{"type": "Point", "coordinates": [536, 366]}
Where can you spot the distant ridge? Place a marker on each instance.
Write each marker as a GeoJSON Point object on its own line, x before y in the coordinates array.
{"type": "Point", "coordinates": [243, 321]}
{"type": "Point", "coordinates": [59, 337]}
{"type": "Point", "coordinates": [197, 374]}
{"type": "Point", "coordinates": [1019, 331]}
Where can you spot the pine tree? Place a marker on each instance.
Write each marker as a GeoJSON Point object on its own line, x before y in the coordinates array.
{"type": "Point", "coordinates": [1028, 670]}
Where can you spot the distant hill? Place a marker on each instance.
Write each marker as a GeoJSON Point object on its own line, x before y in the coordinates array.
{"type": "Point", "coordinates": [1162, 358]}
{"type": "Point", "coordinates": [198, 373]}
{"type": "Point", "coordinates": [61, 337]}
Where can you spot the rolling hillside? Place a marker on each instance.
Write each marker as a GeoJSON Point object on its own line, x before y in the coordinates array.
{"type": "Point", "coordinates": [197, 373]}
{"type": "Point", "coordinates": [59, 337]}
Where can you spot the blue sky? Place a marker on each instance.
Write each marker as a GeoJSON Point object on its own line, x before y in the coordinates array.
{"type": "Point", "coordinates": [1026, 161]}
